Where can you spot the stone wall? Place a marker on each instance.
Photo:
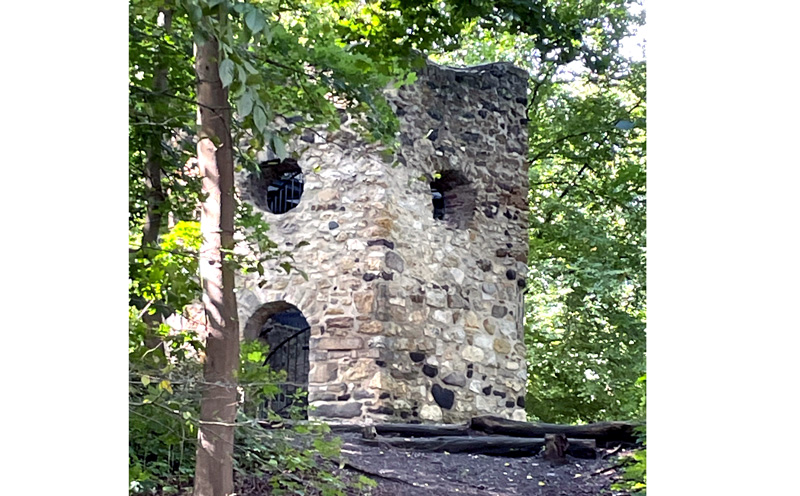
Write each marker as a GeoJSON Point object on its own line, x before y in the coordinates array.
{"type": "Point", "coordinates": [413, 318]}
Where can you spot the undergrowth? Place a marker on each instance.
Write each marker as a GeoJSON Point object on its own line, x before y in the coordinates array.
{"type": "Point", "coordinates": [164, 404]}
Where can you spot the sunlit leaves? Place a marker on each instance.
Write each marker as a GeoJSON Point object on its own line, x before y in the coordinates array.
{"type": "Point", "coordinates": [588, 238]}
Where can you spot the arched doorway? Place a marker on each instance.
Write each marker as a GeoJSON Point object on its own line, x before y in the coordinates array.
{"type": "Point", "coordinates": [285, 329]}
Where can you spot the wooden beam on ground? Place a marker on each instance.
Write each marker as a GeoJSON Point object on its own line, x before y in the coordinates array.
{"type": "Point", "coordinates": [408, 430]}
{"type": "Point", "coordinates": [486, 445]}
{"type": "Point", "coordinates": [604, 432]}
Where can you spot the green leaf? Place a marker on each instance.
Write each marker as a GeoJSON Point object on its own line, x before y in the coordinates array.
{"type": "Point", "coordinates": [260, 118]}
{"type": "Point", "coordinates": [255, 356]}
{"type": "Point", "coordinates": [226, 70]}
{"type": "Point", "coordinates": [195, 13]}
{"type": "Point", "coordinates": [249, 67]}
{"type": "Point", "coordinates": [245, 104]}
{"type": "Point", "coordinates": [165, 385]}
{"type": "Point", "coordinates": [278, 147]}
{"type": "Point", "coordinates": [287, 267]}
{"type": "Point", "coordinates": [255, 20]}
{"type": "Point", "coordinates": [145, 380]}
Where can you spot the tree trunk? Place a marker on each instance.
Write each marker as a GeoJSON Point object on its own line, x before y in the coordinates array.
{"type": "Point", "coordinates": [155, 193]}
{"type": "Point", "coordinates": [152, 172]}
{"type": "Point", "coordinates": [214, 469]}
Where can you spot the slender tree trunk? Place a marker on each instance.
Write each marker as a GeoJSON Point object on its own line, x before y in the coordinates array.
{"type": "Point", "coordinates": [214, 469]}
{"type": "Point", "coordinates": [152, 173]}
{"type": "Point", "coordinates": [155, 193]}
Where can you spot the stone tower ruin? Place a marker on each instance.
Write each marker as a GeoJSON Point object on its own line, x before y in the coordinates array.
{"type": "Point", "coordinates": [416, 261]}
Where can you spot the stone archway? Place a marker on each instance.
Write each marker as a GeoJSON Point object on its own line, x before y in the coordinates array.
{"type": "Point", "coordinates": [285, 329]}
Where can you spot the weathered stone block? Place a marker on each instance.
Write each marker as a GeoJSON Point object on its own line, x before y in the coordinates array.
{"type": "Point", "coordinates": [394, 262]}
{"type": "Point", "coordinates": [443, 397]}
{"type": "Point", "coordinates": [372, 327]}
{"type": "Point", "coordinates": [336, 343]}
{"type": "Point", "coordinates": [454, 379]}
{"type": "Point", "coordinates": [436, 298]}
{"type": "Point", "coordinates": [502, 346]}
{"type": "Point", "coordinates": [416, 356]}
{"type": "Point", "coordinates": [458, 275]}
{"type": "Point", "coordinates": [431, 412]}
{"type": "Point", "coordinates": [358, 371]}
{"type": "Point", "coordinates": [364, 301]}
{"type": "Point", "coordinates": [323, 372]}
{"type": "Point", "coordinates": [472, 354]}
{"type": "Point", "coordinates": [456, 301]}
{"type": "Point", "coordinates": [337, 410]}
{"type": "Point", "coordinates": [471, 320]}
{"type": "Point", "coordinates": [499, 311]}
{"type": "Point", "coordinates": [430, 370]}
{"type": "Point", "coordinates": [340, 323]}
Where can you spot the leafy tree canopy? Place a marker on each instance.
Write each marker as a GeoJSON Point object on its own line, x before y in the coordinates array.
{"type": "Point", "coordinates": [585, 320]}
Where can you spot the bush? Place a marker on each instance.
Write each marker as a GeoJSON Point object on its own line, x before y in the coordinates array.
{"type": "Point", "coordinates": [164, 403]}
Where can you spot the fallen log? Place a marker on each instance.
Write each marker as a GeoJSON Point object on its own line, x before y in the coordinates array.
{"type": "Point", "coordinates": [422, 430]}
{"type": "Point", "coordinates": [485, 445]}
{"type": "Point", "coordinates": [604, 432]}
{"type": "Point", "coordinates": [408, 430]}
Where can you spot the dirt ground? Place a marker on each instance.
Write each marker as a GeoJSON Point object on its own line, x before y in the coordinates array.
{"type": "Point", "coordinates": [412, 473]}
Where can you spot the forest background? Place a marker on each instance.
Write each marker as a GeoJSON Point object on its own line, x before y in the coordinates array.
{"type": "Point", "coordinates": [719, 266]}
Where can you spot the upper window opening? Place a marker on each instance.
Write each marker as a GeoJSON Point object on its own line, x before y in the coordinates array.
{"type": "Point", "coordinates": [453, 199]}
{"type": "Point", "coordinates": [279, 187]}
{"type": "Point", "coordinates": [283, 193]}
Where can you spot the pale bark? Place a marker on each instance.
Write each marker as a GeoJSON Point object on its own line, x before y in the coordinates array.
{"type": "Point", "coordinates": [214, 469]}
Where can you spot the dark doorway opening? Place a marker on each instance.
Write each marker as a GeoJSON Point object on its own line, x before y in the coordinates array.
{"type": "Point", "coordinates": [285, 329]}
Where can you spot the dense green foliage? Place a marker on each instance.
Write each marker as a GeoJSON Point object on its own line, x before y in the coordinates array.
{"type": "Point", "coordinates": [308, 59]}
{"type": "Point", "coordinates": [585, 316]}
{"type": "Point", "coordinates": [586, 297]}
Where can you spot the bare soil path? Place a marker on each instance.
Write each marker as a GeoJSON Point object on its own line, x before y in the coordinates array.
{"type": "Point", "coordinates": [411, 473]}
